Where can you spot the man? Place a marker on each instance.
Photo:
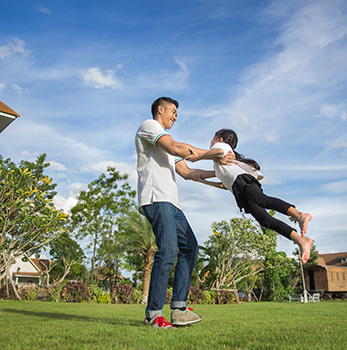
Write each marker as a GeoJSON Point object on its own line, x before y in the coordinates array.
{"type": "Point", "coordinates": [159, 157]}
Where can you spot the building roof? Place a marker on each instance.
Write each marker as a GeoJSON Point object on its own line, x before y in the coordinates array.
{"type": "Point", "coordinates": [24, 274]}
{"type": "Point", "coordinates": [333, 259]}
{"type": "Point", "coordinates": [7, 115]}
{"type": "Point", "coordinates": [41, 264]}
{"type": "Point", "coordinates": [8, 110]}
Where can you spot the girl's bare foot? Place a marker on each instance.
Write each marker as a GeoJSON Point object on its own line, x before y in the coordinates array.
{"type": "Point", "coordinates": [305, 246]}
{"type": "Point", "coordinates": [303, 220]}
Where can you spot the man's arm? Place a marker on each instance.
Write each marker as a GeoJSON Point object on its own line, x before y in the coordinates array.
{"type": "Point", "coordinates": [198, 175]}
{"type": "Point", "coordinates": [183, 150]}
{"type": "Point", "coordinates": [192, 174]}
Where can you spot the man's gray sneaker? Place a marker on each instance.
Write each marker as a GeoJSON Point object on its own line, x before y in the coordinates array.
{"type": "Point", "coordinates": [183, 318]}
{"type": "Point", "coordinates": [158, 321]}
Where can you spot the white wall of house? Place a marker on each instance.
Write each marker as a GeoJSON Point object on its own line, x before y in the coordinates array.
{"type": "Point", "coordinates": [29, 272]}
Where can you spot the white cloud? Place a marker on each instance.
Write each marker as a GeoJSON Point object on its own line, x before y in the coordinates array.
{"type": "Point", "coordinates": [64, 204]}
{"type": "Point", "coordinates": [96, 78]}
{"type": "Point", "coordinates": [334, 111]}
{"type": "Point", "coordinates": [17, 88]}
{"type": "Point", "coordinates": [337, 187]}
{"type": "Point", "coordinates": [123, 168]}
{"type": "Point", "coordinates": [168, 79]}
{"type": "Point", "coordinates": [76, 188]}
{"type": "Point", "coordinates": [2, 86]}
{"type": "Point", "coordinates": [42, 9]}
{"type": "Point", "coordinates": [15, 46]}
{"type": "Point", "coordinates": [57, 166]}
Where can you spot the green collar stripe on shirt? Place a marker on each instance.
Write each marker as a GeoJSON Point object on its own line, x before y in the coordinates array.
{"type": "Point", "coordinates": [160, 135]}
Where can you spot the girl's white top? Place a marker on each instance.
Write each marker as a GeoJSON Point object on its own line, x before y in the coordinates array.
{"type": "Point", "coordinates": [228, 173]}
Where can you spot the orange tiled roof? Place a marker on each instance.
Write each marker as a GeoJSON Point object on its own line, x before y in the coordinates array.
{"type": "Point", "coordinates": [6, 109]}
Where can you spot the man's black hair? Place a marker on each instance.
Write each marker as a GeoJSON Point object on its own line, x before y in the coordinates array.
{"type": "Point", "coordinates": [162, 101]}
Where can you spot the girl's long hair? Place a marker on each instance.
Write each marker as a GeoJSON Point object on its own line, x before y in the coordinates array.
{"type": "Point", "coordinates": [230, 137]}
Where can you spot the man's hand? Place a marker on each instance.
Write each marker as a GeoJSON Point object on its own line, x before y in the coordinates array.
{"type": "Point", "coordinates": [193, 157]}
{"type": "Point", "coordinates": [228, 159]}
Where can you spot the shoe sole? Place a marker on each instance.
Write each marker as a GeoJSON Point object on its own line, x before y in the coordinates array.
{"type": "Point", "coordinates": [185, 323]}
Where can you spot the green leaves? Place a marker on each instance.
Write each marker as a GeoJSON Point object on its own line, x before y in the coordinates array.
{"type": "Point", "coordinates": [28, 218]}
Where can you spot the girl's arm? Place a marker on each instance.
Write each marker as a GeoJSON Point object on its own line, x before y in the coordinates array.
{"type": "Point", "coordinates": [214, 154]}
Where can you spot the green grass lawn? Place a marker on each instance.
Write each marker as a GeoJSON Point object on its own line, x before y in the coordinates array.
{"type": "Point", "coordinates": [44, 325]}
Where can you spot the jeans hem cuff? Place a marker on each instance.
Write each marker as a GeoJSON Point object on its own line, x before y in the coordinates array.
{"type": "Point", "coordinates": [178, 304]}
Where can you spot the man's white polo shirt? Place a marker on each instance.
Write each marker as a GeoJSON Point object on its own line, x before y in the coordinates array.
{"type": "Point", "coordinates": [155, 167]}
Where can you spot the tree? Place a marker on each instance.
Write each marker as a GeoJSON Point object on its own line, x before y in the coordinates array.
{"type": "Point", "coordinates": [94, 215]}
{"type": "Point", "coordinates": [234, 252]}
{"type": "Point", "coordinates": [28, 218]}
{"type": "Point", "coordinates": [65, 248]}
{"type": "Point", "coordinates": [138, 238]}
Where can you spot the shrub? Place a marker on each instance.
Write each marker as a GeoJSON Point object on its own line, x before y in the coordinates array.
{"type": "Point", "coordinates": [196, 296]}
{"type": "Point", "coordinates": [138, 296]}
{"type": "Point", "coordinates": [210, 296]}
{"type": "Point", "coordinates": [42, 293]}
{"type": "Point", "coordinates": [28, 292]}
{"type": "Point", "coordinates": [75, 292]}
{"type": "Point", "coordinates": [3, 292]}
{"type": "Point", "coordinates": [95, 292]}
{"type": "Point", "coordinates": [122, 294]}
{"type": "Point", "coordinates": [225, 297]}
{"type": "Point", "coordinates": [168, 296]}
{"type": "Point", "coordinates": [56, 293]}
{"type": "Point", "coordinates": [104, 299]}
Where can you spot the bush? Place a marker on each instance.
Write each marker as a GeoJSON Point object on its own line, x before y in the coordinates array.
{"type": "Point", "coordinates": [138, 296]}
{"type": "Point", "coordinates": [95, 292]}
{"type": "Point", "coordinates": [196, 296]}
{"type": "Point", "coordinates": [75, 292]}
{"type": "Point", "coordinates": [210, 296]}
{"type": "Point", "coordinates": [104, 299]}
{"type": "Point", "coordinates": [168, 296]}
{"type": "Point", "coordinates": [3, 292]}
{"type": "Point", "coordinates": [122, 294]}
{"type": "Point", "coordinates": [42, 293]}
{"type": "Point", "coordinates": [56, 293]}
{"type": "Point", "coordinates": [225, 297]}
{"type": "Point", "coordinates": [28, 292]}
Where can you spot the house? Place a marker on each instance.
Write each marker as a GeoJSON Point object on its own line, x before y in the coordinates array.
{"type": "Point", "coordinates": [28, 270]}
{"type": "Point", "coordinates": [329, 276]}
{"type": "Point", "coordinates": [7, 116]}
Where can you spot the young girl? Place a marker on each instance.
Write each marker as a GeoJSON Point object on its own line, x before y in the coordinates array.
{"type": "Point", "coordinates": [241, 179]}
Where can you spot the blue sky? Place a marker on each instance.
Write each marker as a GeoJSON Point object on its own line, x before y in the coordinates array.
{"type": "Point", "coordinates": [83, 76]}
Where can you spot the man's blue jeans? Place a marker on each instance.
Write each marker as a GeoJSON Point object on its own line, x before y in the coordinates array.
{"type": "Point", "coordinates": [174, 238]}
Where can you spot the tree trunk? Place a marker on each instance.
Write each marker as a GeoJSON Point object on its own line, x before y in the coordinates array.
{"type": "Point", "coordinates": [146, 276]}
{"type": "Point", "coordinates": [93, 259]}
{"type": "Point", "coordinates": [236, 294]}
{"type": "Point", "coordinates": [10, 278]}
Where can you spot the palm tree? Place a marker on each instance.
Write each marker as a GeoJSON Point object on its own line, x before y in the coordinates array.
{"type": "Point", "coordinates": [138, 238]}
